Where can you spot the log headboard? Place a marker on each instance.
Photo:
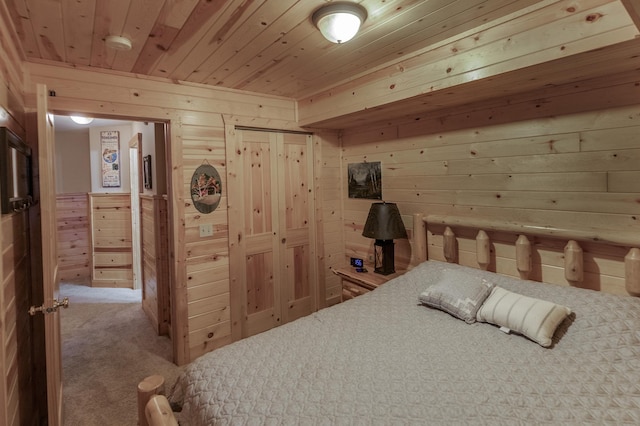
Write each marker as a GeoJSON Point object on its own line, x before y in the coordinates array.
{"type": "Point", "coordinates": [603, 261]}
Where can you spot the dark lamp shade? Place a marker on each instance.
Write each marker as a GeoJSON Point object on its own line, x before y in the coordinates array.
{"type": "Point", "coordinates": [384, 222]}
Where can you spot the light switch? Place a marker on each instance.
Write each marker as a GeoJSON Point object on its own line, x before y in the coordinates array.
{"type": "Point", "coordinates": [206, 230]}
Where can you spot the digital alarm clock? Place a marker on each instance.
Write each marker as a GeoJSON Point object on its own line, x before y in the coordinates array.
{"type": "Point", "coordinates": [358, 263]}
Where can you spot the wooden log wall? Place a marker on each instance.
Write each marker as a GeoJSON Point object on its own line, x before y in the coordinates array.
{"type": "Point", "coordinates": [111, 243]}
{"type": "Point", "coordinates": [574, 171]}
{"type": "Point", "coordinates": [155, 262]}
{"type": "Point", "coordinates": [74, 261]}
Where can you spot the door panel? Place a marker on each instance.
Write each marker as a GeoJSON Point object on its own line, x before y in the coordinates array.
{"type": "Point", "coordinates": [46, 164]}
{"type": "Point", "coordinates": [298, 224]}
{"type": "Point", "coordinates": [273, 219]}
{"type": "Point", "coordinates": [261, 301]}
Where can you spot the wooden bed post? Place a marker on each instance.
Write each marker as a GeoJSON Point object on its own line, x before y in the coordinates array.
{"type": "Point", "coordinates": [158, 412]}
{"type": "Point", "coordinates": [419, 240]}
{"type": "Point", "coordinates": [450, 249]}
{"type": "Point", "coordinates": [150, 386]}
{"type": "Point", "coordinates": [523, 256]}
{"type": "Point", "coordinates": [483, 250]}
{"type": "Point", "coordinates": [573, 262]}
{"type": "Point", "coordinates": [632, 272]}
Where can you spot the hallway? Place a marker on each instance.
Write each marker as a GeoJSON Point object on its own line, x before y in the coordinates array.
{"type": "Point", "coordinates": [108, 346]}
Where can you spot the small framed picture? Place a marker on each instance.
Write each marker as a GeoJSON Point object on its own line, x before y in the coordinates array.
{"type": "Point", "coordinates": [365, 180]}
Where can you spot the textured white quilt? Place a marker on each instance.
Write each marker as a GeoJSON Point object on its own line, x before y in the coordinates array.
{"type": "Point", "coordinates": [384, 359]}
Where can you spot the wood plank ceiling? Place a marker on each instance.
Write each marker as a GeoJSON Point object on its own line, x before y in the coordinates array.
{"type": "Point", "coordinates": [272, 47]}
{"type": "Point", "coordinates": [268, 46]}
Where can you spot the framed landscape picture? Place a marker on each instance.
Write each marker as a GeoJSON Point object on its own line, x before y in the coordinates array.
{"type": "Point", "coordinates": [365, 180]}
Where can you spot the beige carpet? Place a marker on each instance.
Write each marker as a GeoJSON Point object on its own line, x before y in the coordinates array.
{"type": "Point", "coordinates": [108, 346]}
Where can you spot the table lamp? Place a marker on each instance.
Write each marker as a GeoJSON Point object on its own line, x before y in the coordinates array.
{"type": "Point", "coordinates": [384, 224]}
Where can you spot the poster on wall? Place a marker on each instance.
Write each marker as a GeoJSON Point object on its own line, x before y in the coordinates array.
{"type": "Point", "coordinates": [110, 145]}
{"type": "Point", "coordinates": [365, 180]}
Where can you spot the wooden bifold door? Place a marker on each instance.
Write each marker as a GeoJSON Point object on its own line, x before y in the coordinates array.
{"type": "Point", "coordinates": [271, 227]}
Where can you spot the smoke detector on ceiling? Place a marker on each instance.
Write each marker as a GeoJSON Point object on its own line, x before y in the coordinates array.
{"type": "Point", "coordinates": [118, 42]}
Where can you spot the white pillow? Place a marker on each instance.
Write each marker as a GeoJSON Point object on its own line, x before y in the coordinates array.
{"type": "Point", "coordinates": [537, 319]}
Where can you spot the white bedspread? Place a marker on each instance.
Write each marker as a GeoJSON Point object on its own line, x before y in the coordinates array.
{"type": "Point", "coordinates": [382, 358]}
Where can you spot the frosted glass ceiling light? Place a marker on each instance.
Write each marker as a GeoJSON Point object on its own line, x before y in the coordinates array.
{"type": "Point", "coordinates": [339, 22]}
{"type": "Point", "coordinates": [118, 42]}
{"type": "Point", "coordinates": [81, 120]}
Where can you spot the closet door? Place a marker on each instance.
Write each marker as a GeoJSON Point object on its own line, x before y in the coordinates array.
{"type": "Point", "coordinates": [261, 257]}
{"type": "Point", "coordinates": [297, 225]}
{"type": "Point", "coordinates": [273, 224]}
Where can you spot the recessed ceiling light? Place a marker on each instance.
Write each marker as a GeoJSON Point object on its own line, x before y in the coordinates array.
{"type": "Point", "coordinates": [118, 42]}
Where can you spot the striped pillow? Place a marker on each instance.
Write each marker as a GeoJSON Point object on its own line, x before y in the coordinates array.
{"type": "Point", "coordinates": [537, 319]}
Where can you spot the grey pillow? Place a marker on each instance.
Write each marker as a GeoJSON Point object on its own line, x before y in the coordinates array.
{"type": "Point", "coordinates": [458, 293]}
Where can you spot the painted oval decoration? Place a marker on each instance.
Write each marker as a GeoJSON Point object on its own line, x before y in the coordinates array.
{"type": "Point", "coordinates": [206, 188]}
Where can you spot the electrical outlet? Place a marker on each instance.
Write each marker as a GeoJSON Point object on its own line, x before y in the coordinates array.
{"type": "Point", "coordinates": [206, 230]}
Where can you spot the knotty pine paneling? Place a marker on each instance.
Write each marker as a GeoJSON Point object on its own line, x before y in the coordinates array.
{"type": "Point", "coordinates": [574, 171]}
{"type": "Point", "coordinates": [528, 50]}
{"type": "Point", "coordinates": [196, 115]}
{"type": "Point", "coordinates": [155, 262]}
{"type": "Point", "coordinates": [74, 262]}
{"type": "Point", "coordinates": [328, 172]}
{"type": "Point", "coordinates": [22, 383]}
{"type": "Point", "coordinates": [15, 325]}
{"type": "Point", "coordinates": [207, 257]}
{"type": "Point", "coordinates": [111, 242]}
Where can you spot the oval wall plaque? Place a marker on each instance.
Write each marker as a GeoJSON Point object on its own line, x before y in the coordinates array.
{"type": "Point", "coordinates": [206, 188]}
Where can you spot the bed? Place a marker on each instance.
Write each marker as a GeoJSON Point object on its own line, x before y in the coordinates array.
{"type": "Point", "coordinates": [423, 348]}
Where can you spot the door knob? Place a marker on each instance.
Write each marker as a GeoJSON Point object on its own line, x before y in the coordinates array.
{"type": "Point", "coordinates": [51, 309]}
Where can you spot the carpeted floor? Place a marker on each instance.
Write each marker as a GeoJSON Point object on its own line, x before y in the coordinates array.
{"type": "Point", "coordinates": [108, 346]}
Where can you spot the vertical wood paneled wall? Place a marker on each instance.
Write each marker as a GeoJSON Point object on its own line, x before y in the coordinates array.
{"type": "Point", "coordinates": [574, 171]}
{"type": "Point", "coordinates": [74, 262]}
{"type": "Point", "coordinates": [155, 262]}
{"type": "Point", "coordinates": [329, 176]}
{"type": "Point", "coordinates": [111, 244]}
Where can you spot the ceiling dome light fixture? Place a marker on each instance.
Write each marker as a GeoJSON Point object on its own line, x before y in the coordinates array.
{"type": "Point", "coordinates": [81, 120]}
{"type": "Point", "coordinates": [118, 43]}
{"type": "Point", "coordinates": [339, 22]}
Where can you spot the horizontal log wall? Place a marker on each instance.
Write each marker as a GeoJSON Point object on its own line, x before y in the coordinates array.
{"type": "Point", "coordinates": [74, 261]}
{"type": "Point", "coordinates": [111, 243]}
{"type": "Point", "coordinates": [574, 171]}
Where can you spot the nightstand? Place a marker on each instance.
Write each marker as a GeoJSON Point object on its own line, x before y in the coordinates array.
{"type": "Point", "coordinates": [357, 283]}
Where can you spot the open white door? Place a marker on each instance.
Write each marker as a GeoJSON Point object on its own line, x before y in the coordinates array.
{"type": "Point", "coordinates": [46, 161]}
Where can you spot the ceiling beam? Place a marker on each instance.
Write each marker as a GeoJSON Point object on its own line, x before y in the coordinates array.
{"type": "Point", "coordinates": [545, 35]}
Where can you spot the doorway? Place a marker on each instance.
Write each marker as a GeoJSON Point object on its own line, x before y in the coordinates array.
{"type": "Point", "coordinates": [86, 180]}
